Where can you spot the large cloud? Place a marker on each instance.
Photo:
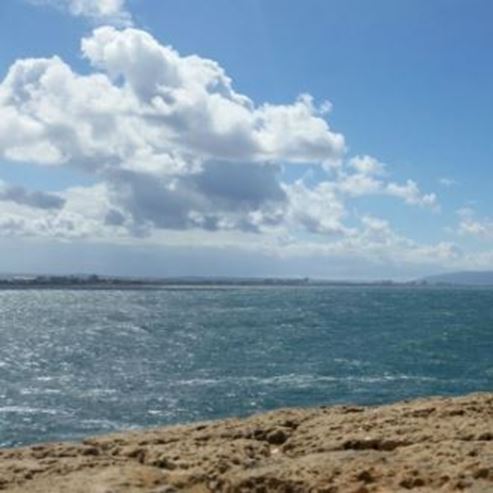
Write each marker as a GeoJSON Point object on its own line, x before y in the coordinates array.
{"type": "Point", "coordinates": [193, 99]}
{"type": "Point", "coordinates": [173, 147]}
{"type": "Point", "coordinates": [150, 105]}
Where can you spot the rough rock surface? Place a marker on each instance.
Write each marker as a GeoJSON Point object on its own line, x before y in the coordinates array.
{"type": "Point", "coordinates": [437, 444]}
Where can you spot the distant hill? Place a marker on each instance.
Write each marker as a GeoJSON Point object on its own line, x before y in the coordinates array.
{"type": "Point", "coordinates": [465, 278]}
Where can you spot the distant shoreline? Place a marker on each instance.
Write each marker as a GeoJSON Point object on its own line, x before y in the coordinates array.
{"type": "Point", "coordinates": [162, 286]}
{"type": "Point", "coordinates": [94, 282]}
{"type": "Point", "coordinates": [466, 279]}
{"type": "Point", "coordinates": [166, 286]}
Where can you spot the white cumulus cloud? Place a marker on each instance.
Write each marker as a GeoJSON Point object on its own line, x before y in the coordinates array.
{"type": "Point", "coordinates": [145, 102]}
{"type": "Point", "coordinates": [174, 147]}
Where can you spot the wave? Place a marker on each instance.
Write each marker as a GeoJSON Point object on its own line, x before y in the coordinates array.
{"type": "Point", "coordinates": [292, 379]}
{"type": "Point", "coordinates": [28, 410]}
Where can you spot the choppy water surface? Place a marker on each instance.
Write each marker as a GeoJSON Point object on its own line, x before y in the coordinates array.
{"type": "Point", "coordinates": [76, 363]}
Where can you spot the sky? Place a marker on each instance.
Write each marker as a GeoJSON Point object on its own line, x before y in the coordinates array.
{"type": "Point", "coordinates": [339, 139]}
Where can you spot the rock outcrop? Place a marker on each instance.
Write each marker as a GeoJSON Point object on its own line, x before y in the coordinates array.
{"type": "Point", "coordinates": [435, 444]}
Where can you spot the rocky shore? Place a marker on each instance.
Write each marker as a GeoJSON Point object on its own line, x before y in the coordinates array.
{"type": "Point", "coordinates": [436, 444]}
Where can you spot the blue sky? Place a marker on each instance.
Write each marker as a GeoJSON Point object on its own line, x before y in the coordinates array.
{"type": "Point", "coordinates": [389, 180]}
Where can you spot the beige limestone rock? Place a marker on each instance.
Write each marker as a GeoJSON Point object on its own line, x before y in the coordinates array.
{"type": "Point", "coordinates": [435, 444]}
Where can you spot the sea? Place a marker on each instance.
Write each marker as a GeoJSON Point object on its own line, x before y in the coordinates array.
{"type": "Point", "coordinates": [76, 363]}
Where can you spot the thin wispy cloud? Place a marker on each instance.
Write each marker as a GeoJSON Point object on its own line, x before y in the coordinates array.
{"type": "Point", "coordinates": [447, 182]}
{"type": "Point", "coordinates": [112, 12]}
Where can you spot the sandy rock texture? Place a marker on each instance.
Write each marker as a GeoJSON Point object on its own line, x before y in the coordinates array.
{"type": "Point", "coordinates": [437, 444]}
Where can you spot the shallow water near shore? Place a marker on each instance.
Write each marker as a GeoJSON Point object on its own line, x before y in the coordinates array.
{"type": "Point", "coordinates": [78, 363]}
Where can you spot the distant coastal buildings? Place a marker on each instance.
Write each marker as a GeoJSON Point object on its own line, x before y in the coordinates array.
{"type": "Point", "coordinates": [93, 281]}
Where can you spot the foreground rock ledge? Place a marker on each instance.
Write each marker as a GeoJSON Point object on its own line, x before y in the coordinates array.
{"type": "Point", "coordinates": [438, 444]}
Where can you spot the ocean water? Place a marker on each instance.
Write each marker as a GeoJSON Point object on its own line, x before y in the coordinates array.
{"type": "Point", "coordinates": [78, 363]}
